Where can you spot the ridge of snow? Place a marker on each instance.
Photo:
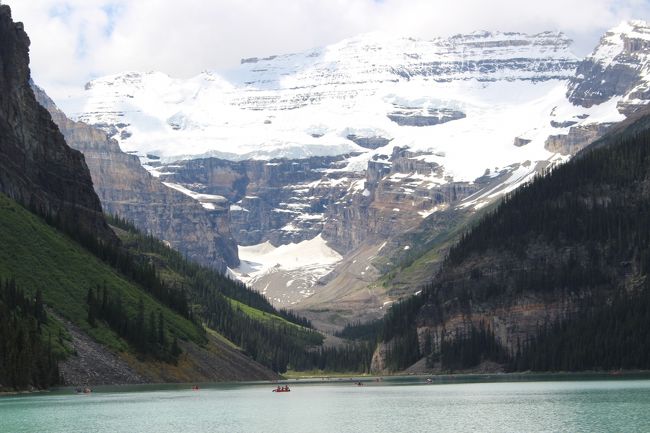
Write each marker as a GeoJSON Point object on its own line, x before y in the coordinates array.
{"type": "Point", "coordinates": [206, 200]}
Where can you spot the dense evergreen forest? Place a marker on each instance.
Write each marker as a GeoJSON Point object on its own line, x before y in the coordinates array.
{"type": "Point", "coordinates": [578, 235]}
{"type": "Point", "coordinates": [398, 327]}
{"type": "Point", "coordinates": [599, 338]}
{"type": "Point", "coordinates": [148, 337]}
{"type": "Point", "coordinates": [26, 355]}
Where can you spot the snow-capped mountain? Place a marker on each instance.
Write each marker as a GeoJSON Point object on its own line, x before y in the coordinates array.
{"type": "Point", "coordinates": [308, 104]}
{"type": "Point", "coordinates": [619, 66]}
{"type": "Point", "coordinates": [377, 134]}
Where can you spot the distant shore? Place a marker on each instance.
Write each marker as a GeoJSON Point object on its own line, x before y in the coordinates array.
{"type": "Point", "coordinates": [366, 379]}
{"type": "Point", "coordinates": [472, 377]}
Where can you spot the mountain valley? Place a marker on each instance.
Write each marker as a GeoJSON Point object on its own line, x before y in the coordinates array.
{"type": "Point", "coordinates": [361, 156]}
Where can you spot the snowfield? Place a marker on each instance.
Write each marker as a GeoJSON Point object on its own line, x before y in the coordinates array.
{"type": "Point", "coordinates": [305, 104]}
{"type": "Point", "coordinates": [301, 265]}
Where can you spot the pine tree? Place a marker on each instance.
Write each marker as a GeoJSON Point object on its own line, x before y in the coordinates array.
{"type": "Point", "coordinates": [162, 341]}
{"type": "Point", "coordinates": [90, 301]}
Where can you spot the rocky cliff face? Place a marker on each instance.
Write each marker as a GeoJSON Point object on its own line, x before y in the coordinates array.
{"type": "Point", "coordinates": [576, 139]}
{"type": "Point", "coordinates": [617, 67]}
{"type": "Point", "coordinates": [126, 189]}
{"type": "Point", "coordinates": [280, 201]}
{"type": "Point", "coordinates": [397, 194]}
{"type": "Point", "coordinates": [284, 201]}
{"type": "Point", "coordinates": [37, 168]}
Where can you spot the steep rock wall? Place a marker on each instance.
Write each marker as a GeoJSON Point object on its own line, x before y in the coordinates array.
{"type": "Point", "coordinates": [128, 190]}
{"type": "Point", "coordinates": [37, 168]}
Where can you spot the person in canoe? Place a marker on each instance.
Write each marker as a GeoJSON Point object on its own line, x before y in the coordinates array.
{"type": "Point", "coordinates": [282, 389]}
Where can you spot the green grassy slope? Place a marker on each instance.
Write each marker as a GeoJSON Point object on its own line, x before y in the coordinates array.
{"type": "Point", "coordinates": [38, 256]}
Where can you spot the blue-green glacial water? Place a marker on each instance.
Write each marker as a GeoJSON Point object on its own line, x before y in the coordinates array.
{"type": "Point", "coordinates": [572, 406]}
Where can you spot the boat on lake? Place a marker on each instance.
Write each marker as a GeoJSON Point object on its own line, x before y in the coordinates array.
{"type": "Point", "coordinates": [282, 389]}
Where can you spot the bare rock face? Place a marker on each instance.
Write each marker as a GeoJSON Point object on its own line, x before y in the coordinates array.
{"type": "Point", "coordinates": [577, 139]}
{"type": "Point", "coordinates": [615, 68]}
{"type": "Point", "coordinates": [520, 142]}
{"type": "Point", "coordinates": [284, 201]}
{"type": "Point", "coordinates": [407, 116]}
{"type": "Point", "coordinates": [398, 193]}
{"type": "Point", "coordinates": [276, 200]}
{"type": "Point", "coordinates": [37, 168]}
{"type": "Point", "coordinates": [372, 142]}
{"type": "Point", "coordinates": [127, 189]}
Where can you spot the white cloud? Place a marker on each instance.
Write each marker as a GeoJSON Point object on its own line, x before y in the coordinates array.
{"type": "Point", "coordinates": [76, 40]}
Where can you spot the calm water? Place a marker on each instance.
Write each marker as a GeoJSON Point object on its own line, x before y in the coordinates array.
{"type": "Point", "coordinates": [599, 406]}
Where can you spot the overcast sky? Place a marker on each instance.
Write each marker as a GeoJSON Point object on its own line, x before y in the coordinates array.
{"type": "Point", "coordinates": [74, 41]}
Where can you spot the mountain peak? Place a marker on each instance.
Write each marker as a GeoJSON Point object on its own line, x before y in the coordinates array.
{"type": "Point", "coordinates": [627, 37]}
{"type": "Point", "coordinates": [632, 27]}
{"type": "Point", "coordinates": [618, 67]}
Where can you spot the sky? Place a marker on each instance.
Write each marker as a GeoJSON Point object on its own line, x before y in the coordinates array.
{"type": "Point", "coordinates": [74, 41]}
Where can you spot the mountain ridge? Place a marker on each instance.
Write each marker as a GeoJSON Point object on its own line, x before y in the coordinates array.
{"type": "Point", "coordinates": [38, 169]}
{"type": "Point", "coordinates": [381, 137]}
{"type": "Point", "coordinates": [529, 274]}
{"type": "Point", "coordinates": [127, 189]}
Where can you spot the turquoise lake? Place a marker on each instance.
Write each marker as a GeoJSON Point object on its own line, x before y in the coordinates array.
{"type": "Point", "coordinates": [571, 406]}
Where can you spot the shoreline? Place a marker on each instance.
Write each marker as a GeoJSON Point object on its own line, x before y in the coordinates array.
{"type": "Point", "coordinates": [474, 377]}
{"type": "Point", "coordinates": [404, 379]}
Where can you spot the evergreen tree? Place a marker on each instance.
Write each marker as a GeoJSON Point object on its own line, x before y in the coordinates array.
{"type": "Point", "coordinates": [162, 340]}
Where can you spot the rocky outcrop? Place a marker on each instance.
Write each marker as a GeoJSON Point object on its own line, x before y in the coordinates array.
{"type": "Point", "coordinates": [285, 201]}
{"type": "Point", "coordinates": [37, 168]}
{"type": "Point", "coordinates": [408, 116]}
{"type": "Point", "coordinates": [577, 138]}
{"type": "Point", "coordinates": [563, 124]}
{"type": "Point", "coordinates": [128, 190]}
{"type": "Point", "coordinates": [371, 142]}
{"type": "Point", "coordinates": [520, 142]}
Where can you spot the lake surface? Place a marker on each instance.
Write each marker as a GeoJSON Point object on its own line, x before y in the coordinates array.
{"type": "Point", "coordinates": [580, 406]}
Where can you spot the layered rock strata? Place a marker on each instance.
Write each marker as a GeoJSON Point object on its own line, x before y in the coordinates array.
{"type": "Point", "coordinates": [128, 190]}
{"type": "Point", "coordinates": [37, 168]}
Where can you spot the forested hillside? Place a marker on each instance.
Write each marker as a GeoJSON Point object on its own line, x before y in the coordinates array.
{"type": "Point", "coordinates": [555, 278]}
{"type": "Point", "coordinates": [278, 339]}
{"type": "Point", "coordinates": [106, 302]}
